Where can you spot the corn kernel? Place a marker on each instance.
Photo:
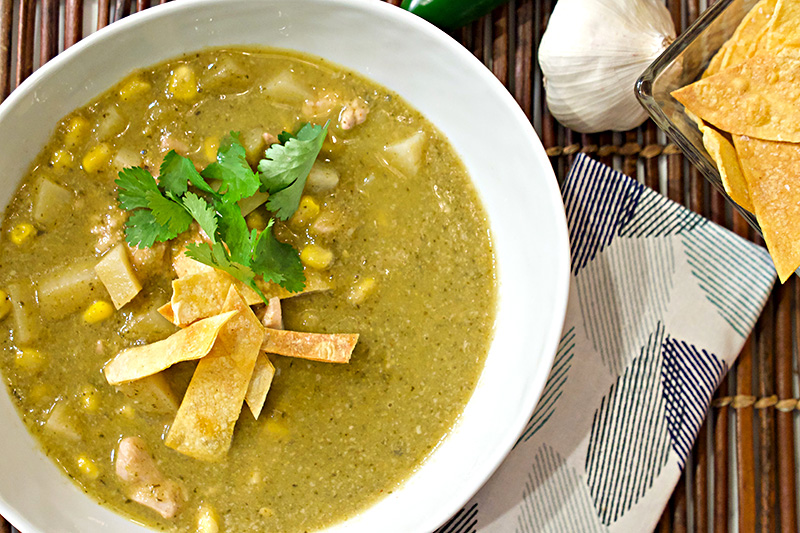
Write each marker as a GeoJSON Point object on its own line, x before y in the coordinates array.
{"type": "Point", "coordinates": [210, 147]}
{"type": "Point", "coordinates": [75, 131]}
{"type": "Point", "coordinates": [97, 312]}
{"type": "Point", "coordinates": [39, 392]}
{"type": "Point", "coordinates": [256, 220]}
{"type": "Point", "coordinates": [61, 159]}
{"type": "Point", "coordinates": [97, 158]}
{"type": "Point", "coordinates": [30, 359]}
{"type": "Point", "coordinates": [361, 291]}
{"type": "Point", "coordinates": [127, 411]}
{"type": "Point", "coordinates": [89, 398]}
{"type": "Point", "coordinates": [5, 304]}
{"type": "Point", "coordinates": [306, 212]}
{"type": "Point", "coordinates": [315, 256]}
{"type": "Point", "coordinates": [276, 428]}
{"type": "Point", "coordinates": [133, 88]}
{"type": "Point", "coordinates": [182, 84]}
{"type": "Point", "coordinates": [207, 520]}
{"type": "Point", "coordinates": [87, 467]}
{"type": "Point", "coordinates": [22, 233]}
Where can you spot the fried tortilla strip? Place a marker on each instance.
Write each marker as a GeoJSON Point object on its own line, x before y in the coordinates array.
{"type": "Point", "coordinates": [200, 295]}
{"type": "Point", "coordinates": [772, 171]}
{"type": "Point", "coordinates": [203, 427]}
{"type": "Point", "coordinates": [187, 344]}
{"type": "Point", "coordinates": [784, 31]}
{"type": "Point", "coordinates": [724, 155]}
{"type": "Point", "coordinates": [186, 266]}
{"type": "Point", "coordinates": [328, 348]}
{"type": "Point", "coordinates": [166, 311]}
{"type": "Point", "coordinates": [759, 98]}
{"type": "Point", "coordinates": [261, 380]}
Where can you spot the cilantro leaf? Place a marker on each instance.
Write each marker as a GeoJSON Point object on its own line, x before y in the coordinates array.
{"type": "Point", "coordinates": [134, 183]}
{"type": "Point", "coordinates": [204, 214]}
{"type": "Point", "coordinates": [233, 230]}
{"type": "Point", "coordinates": [168, 213]}
{"type": "Point", "coordinates": [173, 174]}
{"type": "Point", "coordinates": [285, 168]}
{"type": "Point", "coordinates": [143, 230]}
{"type": "Point", "coordinates": [284, 136]}
{"type": "Point", "coordinates": [216, 256]}
{"type": "Point", "coordinates": [277, 261]}
{"type": "Point", "coordinates": [238, 179]}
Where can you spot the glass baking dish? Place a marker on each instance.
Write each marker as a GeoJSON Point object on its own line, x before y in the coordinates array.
{"type": "Point", "coordinates": [682, 63]}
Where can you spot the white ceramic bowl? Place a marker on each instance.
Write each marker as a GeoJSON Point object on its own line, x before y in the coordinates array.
{"type": "Point", "coordinates": [454, 91]}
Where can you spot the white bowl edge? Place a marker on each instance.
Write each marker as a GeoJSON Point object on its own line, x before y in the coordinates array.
{"type": "Point", "coordinates": [524, 329]}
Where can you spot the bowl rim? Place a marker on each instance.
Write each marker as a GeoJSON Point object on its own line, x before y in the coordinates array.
{"type": "Point", "coordinates": [559, 256]}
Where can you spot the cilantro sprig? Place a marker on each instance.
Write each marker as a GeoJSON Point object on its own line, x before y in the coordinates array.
{"type": "Point", "coordinates": [163, 209]}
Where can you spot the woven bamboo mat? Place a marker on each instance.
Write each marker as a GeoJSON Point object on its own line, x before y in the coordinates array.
{"type": "Point", "coordinates": [743, 471]}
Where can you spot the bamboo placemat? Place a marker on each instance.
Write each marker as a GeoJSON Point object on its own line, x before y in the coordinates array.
{"type": "Point", "coordinates": [742, 474]}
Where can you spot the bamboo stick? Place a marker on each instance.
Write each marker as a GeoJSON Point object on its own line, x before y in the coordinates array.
{"type": "Point", "coordinates": [765, 513]}
{"type": "Point", "coordinates": [787, 296]}
{"type": "Point", "coordinates": [6, 21]}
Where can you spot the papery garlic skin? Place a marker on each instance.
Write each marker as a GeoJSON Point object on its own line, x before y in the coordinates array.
{"type": "Point", "coordinates": [591, 55]}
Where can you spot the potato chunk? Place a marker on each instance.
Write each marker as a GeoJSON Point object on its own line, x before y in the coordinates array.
{"type": "Point", "coordinates": [62, 422]}
{"type": "Point", "coordinates": [69, 289]}
{"type": "Point", "coordinates": [116, 273]}
{"type": "Point", "coordinates": [407, 154]}
{"type": "Point", "coordinates": [24, 311]}
{"type": "Point", "coordinates": [51, 203]}
{"type": "Point", "coordinates": [151, 394]}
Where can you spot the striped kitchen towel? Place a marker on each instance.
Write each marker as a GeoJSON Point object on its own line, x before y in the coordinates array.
{"type": "Point", "coordinates": [661, 301]}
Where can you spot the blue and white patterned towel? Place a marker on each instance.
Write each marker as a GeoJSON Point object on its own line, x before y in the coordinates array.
{"type": "Point", "coordinates": [661, 301]}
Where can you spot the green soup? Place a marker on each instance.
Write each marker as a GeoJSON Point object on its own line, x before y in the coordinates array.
{"type": "Point", "coordinates": [412, 272]}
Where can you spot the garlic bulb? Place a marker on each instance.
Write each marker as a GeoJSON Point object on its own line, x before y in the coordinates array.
{"type": "Point", "coordinates": [591, 55]}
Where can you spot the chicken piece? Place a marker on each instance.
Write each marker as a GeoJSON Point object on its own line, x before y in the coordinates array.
{"type": "Point", "coordinates": [322, 107]}
{"type": "Point", "coordinates": [269, 139]}
{"type": "Point", "coordinates": [108, 228]}
{"type": "Point", "coordinates": [272, 315]}
{"type": "Point", "coordinates": [148, 261]}
{"type": "Point", "coordinates": [147, 485]}
{"type": "Point", "coordinates": [171, 143]}
{"type": "Point", "coordinates": [353, 114]}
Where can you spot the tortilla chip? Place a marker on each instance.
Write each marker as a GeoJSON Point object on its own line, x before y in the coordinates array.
{"type": "Point", "coordinates": [260, 382]}
{"type": "Point", "coordinates": [200, 295]}
{"type": "Point", "coordinates": [724, 155]}
{"type": "Point", "coordinates": [715, 65]}
{"type": "Point", "coordinates": [328, 348]}
{"type": "Point", "coordinates": [741, 47]}
{"type": "Point", "coordinates": [772, 171]}
{"type": "Point", "coordinates": [203, 427]}
{"type": "Point", "coordinates": [759, 98]}
{"type": "Point", "coordinates": [784, 31]}
{"type": "Point", "coordinates": [187, 344]}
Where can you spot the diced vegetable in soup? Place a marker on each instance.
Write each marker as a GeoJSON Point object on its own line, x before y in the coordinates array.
{"type": "Point", "coordinates": [244, 290]}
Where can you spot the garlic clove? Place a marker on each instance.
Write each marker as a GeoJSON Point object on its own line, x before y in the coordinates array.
{"type": "Point", "coordinates": [591, 55]}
